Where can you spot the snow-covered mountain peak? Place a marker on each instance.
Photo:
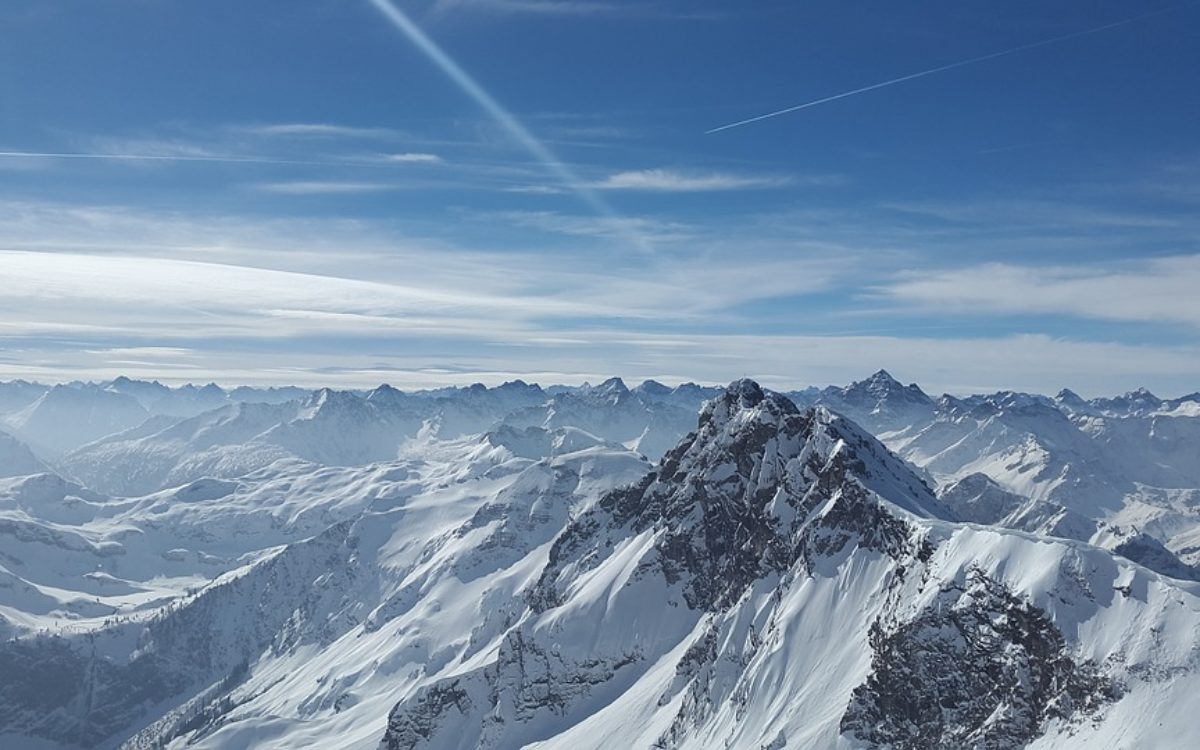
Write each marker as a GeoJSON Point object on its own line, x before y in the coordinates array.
{"type": "Point", "coordinates": [745, 401]}
{"type": "Point", "coordinates": [385, 393]}
{"type": "Point", "coordinates": [90, 411]}
{"type": "Point", "coordinates": [1072, 402]}
{"type": "Point", "coordinates": [653, 389]}
{"type": "Point", "coordinates": [881, 386]}
{"type": "Point", "coordinates": [882, 379]}
{"type": "Point", "coordinates": [212, 389]}
{"type": "Point", "coordinates": [1018, 400]}
{"type": "Point", "coordinates": [947, 403]}
{"type": "Point", "coordinates": [1141, 399]}
{"type": "Point", "coordinates": [755, 486]}
{"type": "Point", "coordinates": [327, 400]}
{"type": "Point", "coordinates": [610, 390]}
{"type": "Point", "coordinates": [689, 396]}
{"type": "Point", "coordinates": [1134, 403]}
{"type": "Point", "coordinates": [612, 384]}
{"type": "Point", "coordinates": [519, 386]}
{"type": "Point", "coordinates": [761, 436]}
{"type": "Point", "coordinates": [880, 402]}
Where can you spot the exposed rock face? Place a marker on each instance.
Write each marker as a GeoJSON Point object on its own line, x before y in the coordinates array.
{"type": "Point", "coordinates": [979, 668]}
{"type": "Point", "coordinates": [427, 714]}
{"type": "Point", "coordinates": [529, 679]}
{"type": "Point", "coordinates": [756, 491]}
{"type": "Point", "coordinates": [735, 500]}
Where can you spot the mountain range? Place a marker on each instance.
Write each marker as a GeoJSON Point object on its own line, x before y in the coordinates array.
{"type": "Point", "coordinates": [596, 567]}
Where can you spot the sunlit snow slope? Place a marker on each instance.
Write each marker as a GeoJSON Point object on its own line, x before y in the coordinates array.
{"type": "Point", "coordinates": [504, 568]}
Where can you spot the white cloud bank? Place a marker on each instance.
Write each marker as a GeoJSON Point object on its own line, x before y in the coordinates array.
{"type": "Point", "coordinates": [671, 181]}
{"type": "Point", "coordinates": [94, 292]}
{"type": "Point", "coordinates": [1160, 290]}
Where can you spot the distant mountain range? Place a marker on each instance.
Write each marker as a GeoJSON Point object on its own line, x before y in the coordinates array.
{"type": "Point", "coordinates": [596, 567]}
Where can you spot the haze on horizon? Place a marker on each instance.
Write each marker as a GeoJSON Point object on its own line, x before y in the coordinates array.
{"type": "Point", "coordinates": [428, 192]}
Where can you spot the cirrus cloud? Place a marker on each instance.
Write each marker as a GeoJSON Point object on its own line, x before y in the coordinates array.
{"type": "Point", "coordinates": [1161, 290]}
{"type": "Point", "coordinates": [671, 181]}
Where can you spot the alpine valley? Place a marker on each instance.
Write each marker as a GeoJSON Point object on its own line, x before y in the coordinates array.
{"type": "Point", "coordinates": [596, 566]}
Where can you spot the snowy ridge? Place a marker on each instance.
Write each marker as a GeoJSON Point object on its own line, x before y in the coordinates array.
{"type": "Point", "coordinates": [346, 428]}
{"type": "Point", "coordinates": [1078, 467]}
{"type": "Point", "coordinates": [745, 550]}
{"type": "Point", "coordinates": [778, 579]}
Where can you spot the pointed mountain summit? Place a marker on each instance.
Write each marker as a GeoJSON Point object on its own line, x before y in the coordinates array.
{"type": "Point", "coordinates": [692, 599]}
{"type": "Point", "coordinates": [385, 393]}
{"type": "Point", "coordinates": [746, 493]}
{"type": "Point", "coordinates": [882, 387]}
{"type": "Point", "coordinates": [66, 417]}
{"type": "Point", "coordinates": [881, 403]}
{"type": "Point", "coordinates": [1072, 401]}
{"type": "Point", "coordinates": [17, 394]}
{"type": "Point", "coordinates": [610, 390]}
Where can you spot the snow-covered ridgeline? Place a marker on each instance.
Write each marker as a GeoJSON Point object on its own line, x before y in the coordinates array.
{"type": "Point", "coordinates": [778, 579]}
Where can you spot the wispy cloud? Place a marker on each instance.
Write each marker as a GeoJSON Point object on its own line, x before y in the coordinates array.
{"type": "Point", "coordinates": [166, 147]}
{"type": "Point", "coordinates": [142, 152]}
{"type": "Point", "coordinates": [203, 300]}
{"type": "Point", "coordinates": [371, 297]}
{"type": "Point", "coordinates": [92, 271]}
{"type": "Point", "coordinates": [955, 365]}
{"type": "Point", "coordinates": [1078, 218]}
{"type": "Point", "coordinates": [1161, 290]}
{"type": "Point", "coordinates": [412, 158]}
{"type": "Point", "coordinates": [157, 158]}
{"type": "Point", "coordinates": [534, 189]}
{"type": "Point", "coordinates": [322, 130]}
{"type": "Point", "coordinates": [670, 181]}
{"type": "Point", "coordinates": [612, 227]}
{"type": "Point", "coordinates": [318, 187]}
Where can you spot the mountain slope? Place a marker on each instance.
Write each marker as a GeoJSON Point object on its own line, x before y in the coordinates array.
{"type": "Point", "coordinates": [66, 417]}
{"type": "Point", "coordinates": [779, 579]}
{"type": "Point", "coordinates": [763, 533]}
{"type": "Point", "coordinates": [16, 459]}
{"type": "Point", "coordinates": [1074, 463]}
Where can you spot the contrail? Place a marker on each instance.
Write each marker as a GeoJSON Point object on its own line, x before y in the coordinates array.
{"type": "Point", "coordinates": [501, 115]}
{"type": "Point", "coordinates": [950, 66]}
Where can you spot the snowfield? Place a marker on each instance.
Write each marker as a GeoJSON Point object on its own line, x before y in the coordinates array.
{"type": "Point", "coordinates": [596, 567]}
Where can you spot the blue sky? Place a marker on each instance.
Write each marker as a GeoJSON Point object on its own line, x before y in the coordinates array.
{"type": "Point", "coordinates": [299, 192]}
